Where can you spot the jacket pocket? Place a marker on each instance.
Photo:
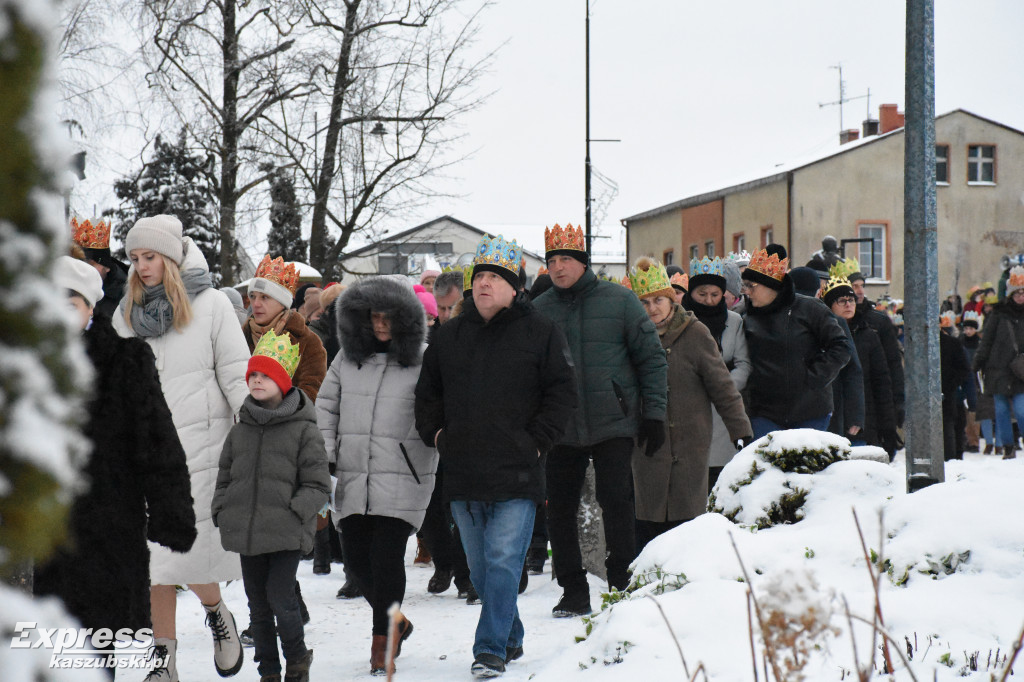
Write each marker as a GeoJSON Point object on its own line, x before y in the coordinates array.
{"type": "Point", "coordinates": [408, 462]}
{"type": "Point", "coordinates": [620, 396]}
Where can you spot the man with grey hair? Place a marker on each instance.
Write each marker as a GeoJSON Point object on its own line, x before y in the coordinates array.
{"type": "Point", "coordinates": [447, 292]}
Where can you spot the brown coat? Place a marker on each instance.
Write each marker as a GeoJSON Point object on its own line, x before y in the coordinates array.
{"type": "Point", "coordinates": [672, 484]}
{"type": "Point", "coordinates": [313, 358]}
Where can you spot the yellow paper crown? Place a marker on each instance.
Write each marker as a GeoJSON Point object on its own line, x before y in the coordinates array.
{"type": "Point", "coordinates": [834, 283]}
{"type": "Point", "coordinates": [844, 268]}
{"type": "Point", "coordinates": [564, 239]}
{"type": "Point", "coordinates": [769, 266]}
{"type": "Point", "coordinates": [278, 272]}
{"type": "Point", "coordinates": [467, 275]}
{"type": "Point", "coordinates": [280, 349]}
{"type": "Point", "coordinates": [90, 235]}
{"type": "Point", "coordinates": [649, 278]}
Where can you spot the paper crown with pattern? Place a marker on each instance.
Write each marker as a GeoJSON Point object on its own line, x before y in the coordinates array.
{"type": "Point", "coordinates": [835, 287]}
{"type": "Point", "coordinates": [706, 266]}
{"type": "Point", "coordinates": [769, 266]}
{"type": "Point", "coordinates": [680, 279]}
{"type": "Point", "coordinates": [625, 282]}
{"type": "Point", "coordinates": [90, 235]}
{"type": "Point", "coordinates": [278, 272]}
{"type": "Point", "coordinates": [566, 238]}
{"type": "Point", "coordinates": [845, 268]}
{"type": "Point", "coordinates": [1016, 279]}
{"type": "Point", "coordinates": [971, 317]}
{"type": "Point", "coordinates": [649, 278]}
{"type": "Point", "coordinates": [276, 357]}
{"type": "Point", "coordinates": [467, 275]}
{"type": "Point", "coordinates": [947, 319]}
{"type": "Point", "coordinates": [742, 256]}
{"type": "Point", "coordinates": [497, 252]}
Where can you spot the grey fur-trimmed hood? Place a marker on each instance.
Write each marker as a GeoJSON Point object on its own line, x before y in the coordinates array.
{"type": "Point", "coordinates": [381, 294]}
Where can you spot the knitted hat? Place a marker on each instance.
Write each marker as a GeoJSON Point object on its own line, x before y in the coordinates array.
{"type": "Point", "coordinates": [330, 295]}
{"type": "Point", "coordinates": [648, 279]}
{"type": "Point", "coordinates": [567, 241]}
{"type": "Point", "coordinates": [805, 280]}
{"type": "Point", "coordinates": [160, 233]}
{"type": "Point", "coordinates": [706, 271]}
{"type": "Point", "coordinates": [494, 254]}
{"type": "Point", "coordinates": [427, 299]}
{"type": "Point", "coordinates": [429, 273]}
{"type": "Point", "coordinates": [1015, 280]}
{"type": "Point", "coordinates": [731, 272]}
{"type": "Point", "coordinates": [765, 269]}
{"type": "Point", "coordinates": [79, 277]}
{"type": "Point", "coordinates": [276, 279]}
{"type": "Point", "coordinates": [277, 357]}
{"type": "Point", "coordinates": [299, 299]}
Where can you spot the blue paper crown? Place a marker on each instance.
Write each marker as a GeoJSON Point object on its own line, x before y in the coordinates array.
{"type": "Point", "coordinates": [706, 266]}
{"type": "Point", "coordinates": [503, 254]}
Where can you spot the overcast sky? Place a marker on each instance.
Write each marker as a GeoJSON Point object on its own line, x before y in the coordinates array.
{"type": "Point", "coordinates": [701, 93]}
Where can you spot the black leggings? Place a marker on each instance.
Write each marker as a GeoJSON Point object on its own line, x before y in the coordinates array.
{"type": "Point", "coordinates": [374, 549]}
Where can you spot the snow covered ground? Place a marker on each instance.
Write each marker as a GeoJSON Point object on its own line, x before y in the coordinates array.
{"type": "Point", "coordinates": [815, 563]}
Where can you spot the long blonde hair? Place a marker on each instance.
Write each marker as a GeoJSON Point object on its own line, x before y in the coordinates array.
{"type": "Point", "coordinates": [174, 288]}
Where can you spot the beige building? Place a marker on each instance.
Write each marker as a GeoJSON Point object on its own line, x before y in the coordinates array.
{"type": "Point", "coordinates": [855, 193]}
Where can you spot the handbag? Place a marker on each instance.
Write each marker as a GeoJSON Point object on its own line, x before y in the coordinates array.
{"type": "Point", "coordinates": [1017, 364]}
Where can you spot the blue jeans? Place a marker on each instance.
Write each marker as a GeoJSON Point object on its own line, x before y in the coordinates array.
{"type": "Point", "coordinates": [762, 426]}
{"type": "Point", "coordinates": [1004, 428]}
{"type": "Point", "coordinates": [986, 432]}
{"type": "Point", "coordinates": [496, 536]}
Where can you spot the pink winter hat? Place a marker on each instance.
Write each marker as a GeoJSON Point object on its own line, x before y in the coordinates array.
{"type": "Point", "coordinates": [429, 273]}
{"type": "Point", "coordinates": [427, 299]}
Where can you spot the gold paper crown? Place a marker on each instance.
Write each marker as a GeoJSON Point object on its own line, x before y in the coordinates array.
{"type": "Point", "coordinates": [769, 266]}
{"type": "Point", "coordinates": [278, 272]}
{"type": "Point", "coordinates": [567, 238]}
{"type": "Point", "coordinates": [1016, 278]}
{"type": "Point", "coordinates": [496, 251]}
{"type": "Point", "coordinates": [625, 282]}
{"type": "Point", "coordinates": [845, 268]}
{"type": "Point", "coordinates": [834, 283]}
{"type": "Point", "coordinates": [90, 235]}
{"type": "Point", "coordinates": [467, 275]}
{"type": "Point", "coordinates": [280, 349]}
{"type": "Point", "coordinates": [650, 280]}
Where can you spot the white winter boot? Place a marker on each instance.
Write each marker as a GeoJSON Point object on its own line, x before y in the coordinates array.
{"type": "Point", "coordinates": [227, 648]}
{"type": "Point", "coordinates": [165, 667]}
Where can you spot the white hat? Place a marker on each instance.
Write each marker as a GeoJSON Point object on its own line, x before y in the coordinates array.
{"type": "Point", "coordinates": [160, 233]}
{"type": "Point", "coordinates": [79, 277]}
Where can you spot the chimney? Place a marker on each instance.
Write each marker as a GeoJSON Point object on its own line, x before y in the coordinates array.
{"type": "Point", "coordinates": [848, 135]}
{"type": "Point", "coordinates": [870, 127]}
{"type": "Point", "coordinates": [889, 118]}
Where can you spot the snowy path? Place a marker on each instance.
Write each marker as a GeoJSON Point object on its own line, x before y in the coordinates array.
{"type": "Point", "coordinates": [440, 649]}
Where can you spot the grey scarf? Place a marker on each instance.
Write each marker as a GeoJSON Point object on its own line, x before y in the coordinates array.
{"type": "Point", "coordinates": [155, 317]}
{"type": "Point", "coordinates": [286, 408]}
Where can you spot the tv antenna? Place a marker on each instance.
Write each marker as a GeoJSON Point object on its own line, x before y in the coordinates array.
{"type": "Point", "coordinates": [843, 99]}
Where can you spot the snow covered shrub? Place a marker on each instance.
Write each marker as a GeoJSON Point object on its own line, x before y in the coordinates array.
{"type": "Point", "coordinates": [796, 615]}
{"type": "Point", "coordinates": [766, 483]}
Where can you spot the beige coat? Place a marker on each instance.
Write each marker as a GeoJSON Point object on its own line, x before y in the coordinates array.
{"type": "Point", "coordinates": [672, 484]}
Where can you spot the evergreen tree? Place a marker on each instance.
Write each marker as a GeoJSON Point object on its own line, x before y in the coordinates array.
{"type": "Point", "coordinates": [285, 236]}
{"type": "Point", "coordinates": [43, 370]}
{"type": "Point", "coordinates": [174, 182]}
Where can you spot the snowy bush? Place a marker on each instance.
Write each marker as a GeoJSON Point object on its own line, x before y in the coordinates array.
{"type": "Point", "coordinates": [766, 483]}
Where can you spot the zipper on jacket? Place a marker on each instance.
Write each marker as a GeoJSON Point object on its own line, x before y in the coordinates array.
{"type": "Point", "coordinates": [255, 489]}
{"type": "Point", "coordinates": [584, 434]}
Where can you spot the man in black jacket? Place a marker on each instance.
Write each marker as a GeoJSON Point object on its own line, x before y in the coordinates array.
{"type": "Point", "coordinates": [495, 392]}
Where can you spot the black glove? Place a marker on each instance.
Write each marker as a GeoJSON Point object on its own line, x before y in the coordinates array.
{"type": "Point", "coordinates": [652, 432]}
{"type": "Point", "coordinates": [740, 443]}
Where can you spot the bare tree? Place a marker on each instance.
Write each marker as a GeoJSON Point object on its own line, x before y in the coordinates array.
{"type": "Point", "coordinates": [395, 76]}
{"type": "Point", "coordinates": [221, 64]}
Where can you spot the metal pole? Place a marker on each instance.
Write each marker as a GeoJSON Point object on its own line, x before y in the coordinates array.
{"type": "Point", "coordinates": [920, 255]}
{"type": "Point", "coordinates": [586, 163]}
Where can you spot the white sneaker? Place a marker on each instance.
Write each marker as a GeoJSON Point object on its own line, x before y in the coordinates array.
{"type": "Point", "coordinates": [227, 648]}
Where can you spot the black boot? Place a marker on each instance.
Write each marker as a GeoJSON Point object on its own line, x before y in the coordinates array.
{"type": "Point", "coordinates": [350, 590]}
{"type": "Point", "coordinates": [573, 603]}
{"type": "Point", "coordinates": [535, 558]}
{"type": "Point", "coordinates": [302, 604]}
{"type": "Point", "coordinates": [1010, 452]}
{"type": "Point", "coordinates": [322, 552]}
{"type": "Point", "coordinates": [440, 581]}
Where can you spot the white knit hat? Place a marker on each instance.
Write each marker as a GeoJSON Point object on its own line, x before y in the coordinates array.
{"type": "Point", "coordinates": [79, 277]}
{"type": "Point", "coordinates": [160, 233]}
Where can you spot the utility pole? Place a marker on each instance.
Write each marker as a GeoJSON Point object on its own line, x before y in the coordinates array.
{"type": "Point", "coordinates": [586, 162]}
{"type": "Point", "coordinates": [925, 461]}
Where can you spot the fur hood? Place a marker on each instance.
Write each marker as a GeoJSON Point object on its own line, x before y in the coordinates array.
{"type": "Point", "coordinates": [381, 294]}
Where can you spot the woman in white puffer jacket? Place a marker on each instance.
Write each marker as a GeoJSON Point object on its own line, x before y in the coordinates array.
{"type": "Point", "coordinates": [201, 356]}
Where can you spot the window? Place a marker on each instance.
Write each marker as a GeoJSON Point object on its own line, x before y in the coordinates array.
{"type": "Point", "coordinates": [767, 236]}
{"type": "Point", "coordinates": [942, 164]}
{"type": "Point", "coordinates": [981, 164]}
{"type": "Point", "coordinates": [872, 269]}
{"type": "Point", "coordinates": [667, 257]}
{"type": "Point", "coordinates": [694, 252]}
{"type": "Point", "coordinates": [709, 249]}
{"type": "Point", "coordinates": [739, 242]}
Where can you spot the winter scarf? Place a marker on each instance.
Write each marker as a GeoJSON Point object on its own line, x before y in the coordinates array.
{"type": "Point", "coordinates": [262, 415]}
{"type": "Point", "coordinates": [259, 330]}
{"type": "Point", "coordinates": [155, 316]}
{"type": "Point", "coordinates": [714, 317]}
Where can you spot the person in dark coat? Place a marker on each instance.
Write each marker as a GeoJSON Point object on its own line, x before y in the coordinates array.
{"type": "Point", "coordinates": [139, 485]}
{"type": "Point", "coordinates": [1001, 341]}
{"type": "Point", "coordinates": [956, 389]}
{"type": "Point", "coordinates": [970, 339]}
{"type": "Point", "coordinates": [495, 394]}
{"type": "Point", "coordinates": [879, 415]}
{"type": "Point", "coordinates": [797, 349]}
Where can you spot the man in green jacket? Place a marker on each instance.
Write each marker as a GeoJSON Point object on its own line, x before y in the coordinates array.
{"type": "Point", "coordinates": [621, 377]}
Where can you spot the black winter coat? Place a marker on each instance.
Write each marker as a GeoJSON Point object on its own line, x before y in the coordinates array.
{"type": "Point", "coordinates": [886, 331]}
{"type": "Point", "coordinates": [1003, 326]}
{"type": "Point", "coordinates": [879, 413]}
{"type": "Point", "coordinates": [503, 392]}
{"type": "Point", "coordinates": [137, 464]}
{"type": "Point", "coordinates": [797, 349]}
{"type": "Point", "coordinates": [847, 389]}
{"type": "Point", "coordinates": [955, 370]}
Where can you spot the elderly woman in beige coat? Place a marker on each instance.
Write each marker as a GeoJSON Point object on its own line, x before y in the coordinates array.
{"type": "Point", "coordinates": [670, 486]}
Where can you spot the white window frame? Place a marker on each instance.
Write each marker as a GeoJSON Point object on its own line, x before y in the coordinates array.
{"type": "Point", "coordinates": [694, 252]}
{"type": "Point", "coordinates": [975, 157]}
{"type": "Point", "coordinates": [768, 236]}
{"type": "Point", "coordinates": [709, 248]}
{"type": "Point", "coordinates": [944, 159]}
{"type": "Point", "coordinates": [739, 242]}
{"type": "Point", "coordinates": [878, 232]}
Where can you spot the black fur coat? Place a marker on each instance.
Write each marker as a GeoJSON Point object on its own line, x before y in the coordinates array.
{"type": "Point", "coordinates": [383, 294]}
{"type": "Point", "coordinates": [137, 464]}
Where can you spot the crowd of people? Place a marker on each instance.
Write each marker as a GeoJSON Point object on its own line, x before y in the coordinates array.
{"type": "Point", "coordinates": [239, 435]}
